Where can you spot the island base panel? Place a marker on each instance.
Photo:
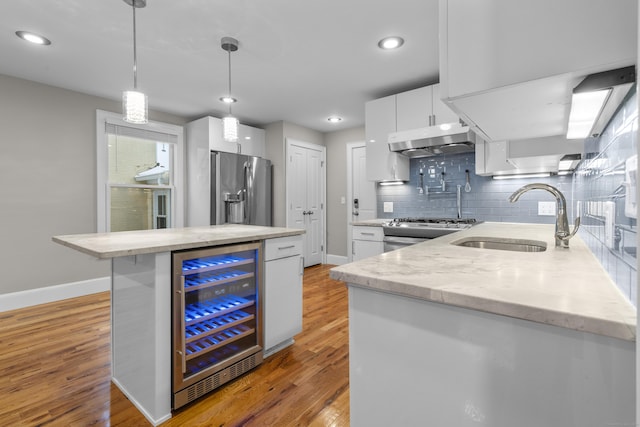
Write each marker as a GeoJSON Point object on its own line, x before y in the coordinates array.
{"type": "Point", "coordinates": [416, 362]}
{"type": "Point", "coordinates": [140, 337]}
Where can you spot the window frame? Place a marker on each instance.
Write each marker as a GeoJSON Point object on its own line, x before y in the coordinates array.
{"type": "Point", "coordinates": [104, 118]}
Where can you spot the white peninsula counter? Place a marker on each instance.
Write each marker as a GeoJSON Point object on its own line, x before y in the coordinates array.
{"type": "Point", "coordinates": [445, 335]}
{"type": "Point", "coordinates": [141, 299]}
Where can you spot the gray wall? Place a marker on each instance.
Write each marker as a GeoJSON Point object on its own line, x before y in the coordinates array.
{"type": "Point", "coordinates": [276, 137]}
{"type": "Point", "coordinates": [275, 151]}
{"type": "Point", "coordinates": [337, 187]}
{"type": "Point", "coordinates": [48, 174]}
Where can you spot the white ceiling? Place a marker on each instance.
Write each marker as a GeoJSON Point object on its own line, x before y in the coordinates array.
{"type": "Point", "coordinates": [299, 60]}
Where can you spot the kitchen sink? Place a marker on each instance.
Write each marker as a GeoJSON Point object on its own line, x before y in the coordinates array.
{"type": "Point", "coordinates": [502, 244]}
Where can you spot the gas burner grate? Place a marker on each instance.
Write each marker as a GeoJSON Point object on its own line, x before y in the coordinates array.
{"type": "Point", "coordinates": [435, 220]}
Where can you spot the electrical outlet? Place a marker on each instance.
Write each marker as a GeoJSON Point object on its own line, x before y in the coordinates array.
{"type": "Point", "coordinates": [547, 208]}
{"type": "Point", "coordinates": [388, 207]}
{"type": "Point", "coordinates": [343, 200]}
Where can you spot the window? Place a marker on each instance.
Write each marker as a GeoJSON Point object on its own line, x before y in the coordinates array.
{"type": "Point", "coordinates": [139, 174]}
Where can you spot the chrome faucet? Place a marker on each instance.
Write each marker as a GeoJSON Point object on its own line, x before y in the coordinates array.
{"type": "Point", "coordinates": [562, 233]}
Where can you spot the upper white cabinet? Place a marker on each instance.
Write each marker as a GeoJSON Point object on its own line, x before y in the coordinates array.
{"type": "Point", "coordinates": [413, 109]}
{"type": "Point", "coordinates": [524, 156]}
{"type": "Point", "coordinates": [380, 120]}
{"type": "Point", "coordinates": [251, 141]}
{"type": "Point", "coordinates": [209, 129]}
{"type": "Point", "coordinates": [508, 68]}
{"type": "Point", "coordinates": [422, 107]}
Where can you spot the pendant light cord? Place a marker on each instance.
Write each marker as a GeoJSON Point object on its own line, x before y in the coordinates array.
{"type": "Point", "coordinates": [135, 62]}
{"type": "Point", "coordinates": [229, 56]}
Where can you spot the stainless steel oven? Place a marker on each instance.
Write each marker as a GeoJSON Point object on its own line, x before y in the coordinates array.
{"type": "Point", "coordinates": [403, 232]}
{"type": "Point", "coordinates": [391, 243]}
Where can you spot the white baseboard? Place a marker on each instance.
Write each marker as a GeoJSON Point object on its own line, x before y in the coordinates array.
{"type": "Point", "coordinates": [147, 415]}
{"type": "Point", "coordinates": [337, 259]}
{"type": "Point", "coordinates": [47, 294]}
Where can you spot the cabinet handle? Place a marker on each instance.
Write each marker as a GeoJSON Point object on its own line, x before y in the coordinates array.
{"type": "Point", "coordinates": [367, 234]}
{"type": "Point", "coordinates": [281, 248]}
{"type": "Point", "coordinates": [353, 247]}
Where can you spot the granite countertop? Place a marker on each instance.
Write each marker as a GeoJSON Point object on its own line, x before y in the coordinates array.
{"type": "Point", "coordinates": [561, 287]}
{"type": "Point", "coordinates": [124, 243]}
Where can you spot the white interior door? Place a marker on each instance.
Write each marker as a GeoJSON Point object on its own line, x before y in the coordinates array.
{"type": "Point", "coordinates": [305, 196]}
{"type": "Point", "coordinates": [361, 193]}
{"type": "Point", "coordinates": [364, 192]}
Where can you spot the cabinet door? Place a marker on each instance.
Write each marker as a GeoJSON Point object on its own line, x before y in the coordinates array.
{"type": "Point", "coordinates": [282, 300]}
{"type": "Point", "coordinates": [251, 141]}
{"type": "Point", "coordinates": [366, 248]}
{"type": "Point", "coordinates": [380, 120]}
{"type": "Point", "coordinates": [441, 112]}
{"type": "Point", "coordinates": [414, 109]}
{"type": "Point", "coordinates": [491, 158]}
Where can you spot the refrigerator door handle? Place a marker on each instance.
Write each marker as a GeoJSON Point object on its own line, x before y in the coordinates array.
{"type": "Point", "coordinates": [247, 185]}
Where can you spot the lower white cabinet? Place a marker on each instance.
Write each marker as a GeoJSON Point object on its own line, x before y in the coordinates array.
{"type": "Point", "coordinates": [366, 241]}
{"type": "Point", "coordinates": [283, 271]}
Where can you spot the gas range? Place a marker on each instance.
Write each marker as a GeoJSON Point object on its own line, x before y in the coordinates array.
{"type": "Point", "coordinates": [426, 228]}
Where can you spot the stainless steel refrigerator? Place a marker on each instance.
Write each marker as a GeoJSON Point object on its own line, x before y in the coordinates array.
{"type": "Point", "coordinates": [240, 189]}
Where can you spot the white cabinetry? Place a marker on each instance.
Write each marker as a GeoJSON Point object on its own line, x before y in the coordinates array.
{"type": "Point", "coordinates": [251, 141]}
{"type": "Point", "coordinates": [366, 241]}
{"type": "Point", "coordinates": [282, 292]}
{"type": "Point", "coordinates": [412, 109]}
{"type": "Point", "coordinates": [524, 155]}
{"type": "Point", "coordinates": [469, 360]}
{"type": "Point", "coordinates": [209, 129]}
{"type": "Point", "coordinates": [422, 107]}
{"type": "Point", "coordinates": [507, 79]}
{"type": "Point", "coordinates": [380, 120]}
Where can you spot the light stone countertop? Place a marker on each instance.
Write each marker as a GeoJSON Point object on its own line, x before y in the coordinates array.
{"type": "Point", "coordinates": [370, 222]}
{"type": "Point", "coordinates": [562, 287]}
{"type": "Point", "coordinates": [124, 243]}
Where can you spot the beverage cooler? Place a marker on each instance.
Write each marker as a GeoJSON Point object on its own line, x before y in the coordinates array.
{"type": "Point", "coordinates": [217, 322]}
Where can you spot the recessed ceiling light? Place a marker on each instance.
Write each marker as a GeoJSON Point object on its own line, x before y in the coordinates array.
{"type": "Point", "coordinates": [33, 38]}
{"type": "Point", "coordinates": [228, 99]}
{"type": "Point", "coordinates": [334, 119]}
{"type": "Point", "coordinates": [393, 42]}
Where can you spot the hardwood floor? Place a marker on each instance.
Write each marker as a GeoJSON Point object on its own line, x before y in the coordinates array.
{"type": "Point", "coordinates": [55, 369]}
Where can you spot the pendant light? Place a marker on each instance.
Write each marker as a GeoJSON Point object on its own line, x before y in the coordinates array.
{"type": "Point", "coordinates": [135, 105]}
{"type": "Point", "coordinates": [229, 123]}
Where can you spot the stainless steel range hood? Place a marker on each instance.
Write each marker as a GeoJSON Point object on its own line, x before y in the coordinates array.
{"type": "Point", "coordinates": [433, 140]}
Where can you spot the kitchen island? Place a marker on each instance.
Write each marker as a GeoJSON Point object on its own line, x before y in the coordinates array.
{"type": "Point", "coordinates": [141, 298]}
{"type": "Point", "coordinates": [442, 334]}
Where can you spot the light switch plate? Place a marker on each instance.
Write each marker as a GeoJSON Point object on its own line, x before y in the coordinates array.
{"type": "Point", "coordinates": [388, 207]}
{"type": "Point", "coordinates": [547, 208]}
